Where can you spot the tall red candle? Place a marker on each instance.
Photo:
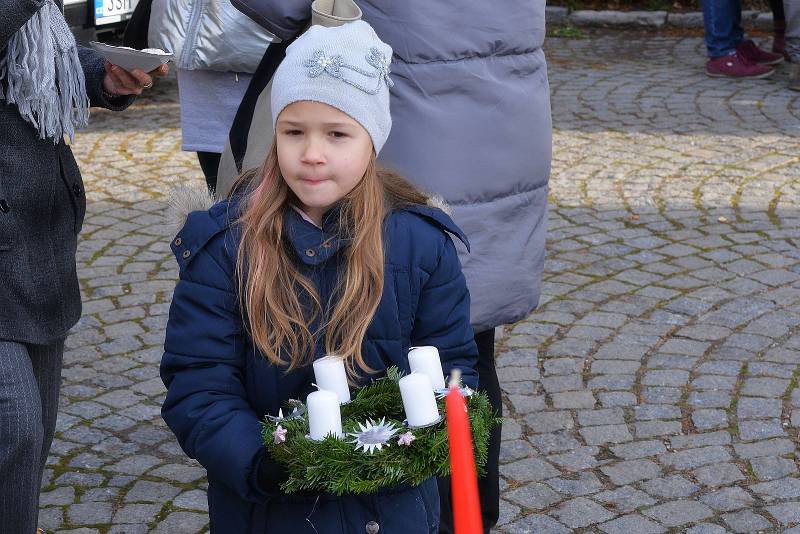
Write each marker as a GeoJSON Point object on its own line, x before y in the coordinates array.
{"type": "Point", "coordinates": [463, 477]}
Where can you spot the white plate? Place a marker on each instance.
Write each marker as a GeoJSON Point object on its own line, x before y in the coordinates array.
{"type": "Point", "coordinates": [130, 59]}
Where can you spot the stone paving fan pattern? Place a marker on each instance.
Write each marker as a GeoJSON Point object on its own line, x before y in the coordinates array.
{"type": "Point", "coordinates": [656, 388]}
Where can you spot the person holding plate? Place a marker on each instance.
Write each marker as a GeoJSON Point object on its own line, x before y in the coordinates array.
{"type": "Point", "coordinates": [47, 83]}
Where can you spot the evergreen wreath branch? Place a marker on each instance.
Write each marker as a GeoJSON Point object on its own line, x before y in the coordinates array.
{"type": "Point", "coordinates": [337, 467]}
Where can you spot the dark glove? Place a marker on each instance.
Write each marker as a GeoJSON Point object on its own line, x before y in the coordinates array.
{"type": "Point", "coordinates": [269, 474]}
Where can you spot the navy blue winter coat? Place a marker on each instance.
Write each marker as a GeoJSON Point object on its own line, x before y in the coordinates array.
{"type": "Point", "coordinates": [219, 387]}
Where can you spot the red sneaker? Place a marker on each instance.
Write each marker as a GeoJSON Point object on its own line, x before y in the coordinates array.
{"type": "Point", "coordinates": [736, 66]}
{"type": "Point", "coordinates": [751, 51]}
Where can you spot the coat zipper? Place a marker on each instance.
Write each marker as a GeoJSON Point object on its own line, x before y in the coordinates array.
{"type": "Point", "coordinates": [191, 34]}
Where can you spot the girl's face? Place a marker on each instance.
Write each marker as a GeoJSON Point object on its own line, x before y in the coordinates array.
{"type": "Point", "coordinates": [322, 154]}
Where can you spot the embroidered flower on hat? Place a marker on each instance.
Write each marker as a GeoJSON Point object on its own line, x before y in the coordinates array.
{"type": "Point", "coordinates": [322, 62]}
{"type": "Point", "coordinates": [378, 60]}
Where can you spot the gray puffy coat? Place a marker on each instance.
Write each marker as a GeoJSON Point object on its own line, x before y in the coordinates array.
{"type": "Point", "coordinates": [471, 121]}
{"type": "Point", "coordinates": [207, 35]}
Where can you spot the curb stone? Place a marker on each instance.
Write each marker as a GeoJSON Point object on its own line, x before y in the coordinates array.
{"type": "Point", "coordinates": [646, 19]}
{"type": "Point", "coordinates": [685, 20]}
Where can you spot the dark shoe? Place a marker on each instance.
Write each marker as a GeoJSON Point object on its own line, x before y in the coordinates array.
{"type": "Point", "coordinates": [736, 66]}
{"type": "Point", "coordinates": [749, 50]}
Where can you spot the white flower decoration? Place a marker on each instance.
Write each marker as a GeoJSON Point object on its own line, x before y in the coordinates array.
{"type": "Point", "coordinates": [373, 435]}
{"type": "Point", "coordinates": [279, 435]}
{"type": "Point", "coordinates": [406, 439]}
{"type": "Point", "coordinates": [298, 411]}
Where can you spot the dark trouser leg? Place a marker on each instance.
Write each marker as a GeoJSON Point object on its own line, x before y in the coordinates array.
{"type": "Point", "coordinates": [488, 485]}
{"type": "Point", "coordinates": [776, 6]}
{"type": "Point", "coordinates": [723, 29]}
{"type": "Point", "coordinates": [29, 384]}
{"type": "Point", "coordinates": [778, 27]}
{"type": "Point", "coordinates": [209, 163]}
{"type": "Point", "coordinates": [47, 360]}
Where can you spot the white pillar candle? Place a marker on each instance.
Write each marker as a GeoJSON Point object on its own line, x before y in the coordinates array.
{"type": "Point", "coordinates": [324, 415]}
{"type": "Point", "coordinates": [329, 374]}
{"type": "Point", "coordinates": [418, 399]}
{"type": "Point", "coordinates": [426, 360]}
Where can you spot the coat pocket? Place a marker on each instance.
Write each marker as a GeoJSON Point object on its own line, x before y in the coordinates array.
{"type": "Point", "coordinates": [393, 318]}
{"type": "Point", "coordinates": [402, 290]}
{"type": "Point", "coordinates": [71, 176]}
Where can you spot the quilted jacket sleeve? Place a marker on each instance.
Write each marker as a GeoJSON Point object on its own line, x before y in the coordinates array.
{"type": "Point", "coordinates": [282, 18]}
{"type": "Point", "coordinates": [442, 318]}
{"type": "Point", "coordinates": [203, 368]}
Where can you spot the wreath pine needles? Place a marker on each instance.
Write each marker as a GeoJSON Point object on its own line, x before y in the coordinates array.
{"type": "Point", "coordinates": [337, 467]}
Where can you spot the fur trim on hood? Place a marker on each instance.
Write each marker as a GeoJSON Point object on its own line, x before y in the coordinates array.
{"type": "Point", "coordinates": [436, 201]}
{"type": "Point", "coordinates": [183, 200]}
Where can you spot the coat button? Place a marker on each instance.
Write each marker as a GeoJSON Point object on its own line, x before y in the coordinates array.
{"type": "Point", "coordinates": [327, 243]}
{"type": "Point", "coordinates": [178, 241]}
{"type": "Point", "coordinates": [4, 207]}
{"type": "Point", "coordinates": [77, 190]}
{"type": "Point", "coordinates": [311, 253]}
{"type": "Point", "coordinates": [186, 254]}
{"type": "Point", "coordinates": [373, 527]}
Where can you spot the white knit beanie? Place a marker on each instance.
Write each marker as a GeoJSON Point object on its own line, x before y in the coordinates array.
{"type": "Point", "coordinates": [346, 67]}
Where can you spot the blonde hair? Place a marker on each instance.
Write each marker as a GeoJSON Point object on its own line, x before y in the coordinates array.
{"type": "Point", "coordinates": [278, 302]}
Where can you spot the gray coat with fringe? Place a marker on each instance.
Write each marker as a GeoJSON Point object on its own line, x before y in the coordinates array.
{"type": "Point", "coordinates": [471, 122]}
{"type": "Point", "coordinates": [42, 205]}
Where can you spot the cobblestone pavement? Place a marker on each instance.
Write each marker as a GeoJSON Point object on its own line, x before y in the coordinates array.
{"type": "Point", "coordinates": [656, 389]}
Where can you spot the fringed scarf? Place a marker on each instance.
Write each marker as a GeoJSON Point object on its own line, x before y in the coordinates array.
{"type": "Point", "coordinates": [44, 77]}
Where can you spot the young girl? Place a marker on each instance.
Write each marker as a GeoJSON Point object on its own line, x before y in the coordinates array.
{"type": "Point", "coordinates": [322, 252]}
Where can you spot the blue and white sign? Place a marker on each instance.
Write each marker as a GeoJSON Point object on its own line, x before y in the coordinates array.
{"type": "Point", "coordinates": [110, 11]}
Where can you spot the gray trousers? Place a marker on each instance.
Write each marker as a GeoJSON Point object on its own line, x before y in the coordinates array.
{"type": "Point", "coordinates": [792, 10]}
{"type": "Point", "coordinates": [30, 377]}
